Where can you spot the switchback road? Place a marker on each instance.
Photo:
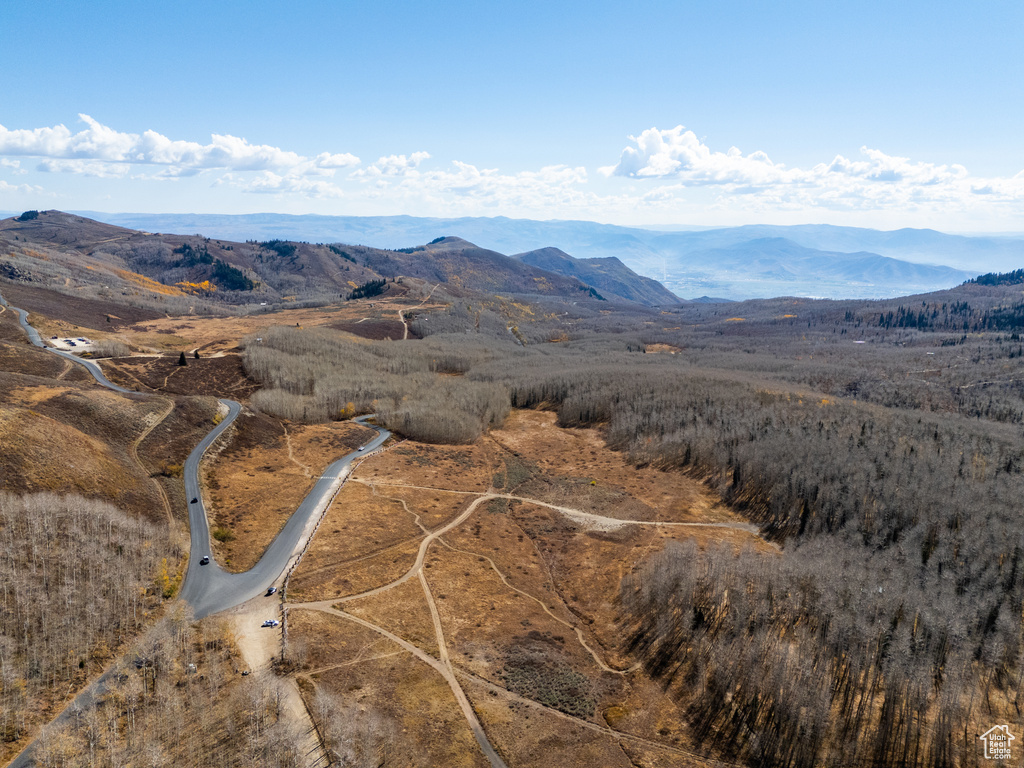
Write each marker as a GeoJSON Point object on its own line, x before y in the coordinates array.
{"type": "Point", "coordinates": [209, 588]}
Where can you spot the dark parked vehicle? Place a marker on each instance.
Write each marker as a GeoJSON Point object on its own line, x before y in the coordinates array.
{"type": "Point", "coordinates": [195, 500]}
{"type": "Point", "coordinates": [271, 591]}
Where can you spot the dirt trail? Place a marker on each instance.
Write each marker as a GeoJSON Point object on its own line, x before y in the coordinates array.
{"type": "Point", "coordinates": [306, 471]}
{"type": "Point", "coordinates": [258, 646]}
{"type": "Point", "coordinates": [603, 523]}
{"type": "Point", "coordinates": [372, 483]}
{"type": "Point", "coordinates": [606, 730]}
{"type": "Point", "coordinates": [581, 518]}
{"type": "Point", "coordinates": [579, 632]}
{"type": "Point", "coordinates": [133, 451]}
{"type": "Point", "coordinates": [442, 665]}
{"type": "Point", "coordinates": [68, 365]}
{"type": "Point", "coordinates": [416, 567]}
{"type": "Point", "coordinates": [444, 669]}
{"type": "Point", "coordinates": [401, 313]}
{"type": "Point", "coordinates": [584, 519]}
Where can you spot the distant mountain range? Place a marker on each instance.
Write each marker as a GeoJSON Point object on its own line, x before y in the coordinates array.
{"type": "Point", "coordinates": [608, 275]}
{"type": "Point", "coordinates": [755, 261]}
{"type": "Point", "coordinates": [54, 248]}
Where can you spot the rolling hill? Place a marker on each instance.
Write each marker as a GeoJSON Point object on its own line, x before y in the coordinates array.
{"type": "Point", "coordinates": [608, 275]}
{"type": "Point", "coordinates": [666, 255]}
{"type": "Point", "coordinates": [182, 273]}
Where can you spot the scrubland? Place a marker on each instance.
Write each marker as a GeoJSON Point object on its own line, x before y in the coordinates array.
{"type": "Point", "coordinates": [626, 536]}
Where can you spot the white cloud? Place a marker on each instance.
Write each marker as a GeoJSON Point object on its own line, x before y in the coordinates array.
{"type": "Point", "coordinates": [876, 181]}
{"type": "Point", "coordinates": [21, 189]}
{"type": "Point", "coordinates": [660, 176]}
{"type": "Point", "coordinates": [678, 153]}
{"type": "Point", "coordinates": [270, 183]}
{"type": "Point", "coordinates": [94, 168]}
{"type": "Point", "coordinates": [97, 143]}
{"type": "Point", "coordinates": [13, 165]}
{"type": "Point", "coordinates": [393, 166]}
{"type": "Point", "coordinates": [327, 160]}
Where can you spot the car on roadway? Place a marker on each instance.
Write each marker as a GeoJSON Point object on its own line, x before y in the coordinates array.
{"type": "Point", "coordinates": [204, 560]}
{"type": "Point", "coordinates": [271, 623]}
{"type": "Point", "coordinates": [195, 500]}
{"type": "Point", "coordinates": [271, 590]}
{"type": "Point", "coordinates": [362, 447]}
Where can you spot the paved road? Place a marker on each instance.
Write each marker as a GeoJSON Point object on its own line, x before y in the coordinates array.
{"type": "Point", "coordinates": [89, 365]}
{"type": "Point", "coordinates": [209, 588]}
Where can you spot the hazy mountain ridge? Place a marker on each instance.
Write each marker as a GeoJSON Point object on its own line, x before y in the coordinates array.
{"type": "Point", "coordinates": [664, 255]}
{"type": "Point", "coordinates": [608, 275]}
{"type": "Point", "coordinates": [186, 268]}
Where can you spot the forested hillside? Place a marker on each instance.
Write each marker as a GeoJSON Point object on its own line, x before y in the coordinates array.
{"type": "Point", "coordinates": [186, 274]}
{"type": "Point", "coordinates": [875, 445]}
{"type": "Point", "coordinates": [884, 459]}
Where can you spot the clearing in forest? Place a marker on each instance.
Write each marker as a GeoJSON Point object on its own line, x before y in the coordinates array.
{"type": "Point", "coordinates": [481, 582]}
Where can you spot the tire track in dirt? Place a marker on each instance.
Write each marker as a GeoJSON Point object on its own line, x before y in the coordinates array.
{"type": "Point", "coordinates": [444, 669]}
{"type": "Point", "coordinates": [354, 560]}
{"type": "Point", "coordinates": [579, 633]}
{"type": "Point", "coordinates": [584, 519]}
{"type": "Point", "coordinates": [306, 471]}
{"type": "Point", "coordinates": [133, 451]}
{"type": "Point", "coordinates": [68, 365]}
{"type": "Point", "coordinates": [606, 730]}
{"type": "Point", "coordinates": [420, 556]}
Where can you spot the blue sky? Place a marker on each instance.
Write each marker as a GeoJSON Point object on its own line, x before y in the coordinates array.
{"type": "Point", "coordinates": [871, 114]}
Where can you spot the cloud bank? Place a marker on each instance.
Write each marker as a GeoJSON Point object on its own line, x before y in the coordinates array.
{"type": "Point", "coordinates": [678, 161]}
{"type": "Point", "coordinates": [100, 150]}
{"type": "Point", "coordinates": [661, 176]}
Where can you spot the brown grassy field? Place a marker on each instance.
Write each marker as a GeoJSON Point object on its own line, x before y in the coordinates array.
{"type": "Point", "coordinates": [222, 376]}
{"type": "Point", "coordinates": [64, 438]}
{"type": "Point", "coordinates": [221, 334]}
{"type": "Point", "coordinates": [74, 311]}
{"type": "Point", "coordinates": [523, 588]}
{"type": "Point", "coordinates": [264, 471]}
{"type": "Point", "coordinates": [411, 708]}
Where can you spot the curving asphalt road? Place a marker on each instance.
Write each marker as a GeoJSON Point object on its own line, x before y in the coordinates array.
{"type": "Point", "coordinates": [209, 588]}
{"type": "Point", "coordinates": [89, 365]}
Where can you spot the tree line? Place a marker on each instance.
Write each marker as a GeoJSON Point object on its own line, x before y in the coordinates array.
{"type": "Point", "coordinates": [77, 579]}
{"type": "Point", "coordinates": [312, 375]}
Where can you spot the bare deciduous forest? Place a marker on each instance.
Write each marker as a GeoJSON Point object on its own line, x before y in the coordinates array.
{"type": "Point", "coordinates": [416, 389]}
{"type": "Point", "coordinates": [877, 445]}
{"type": "Point", "coordinates": [883, 456]}
{"type": "Point", "coordinates": [179, 702]}
{"type": "Point", "coordinates": [79, 578]}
